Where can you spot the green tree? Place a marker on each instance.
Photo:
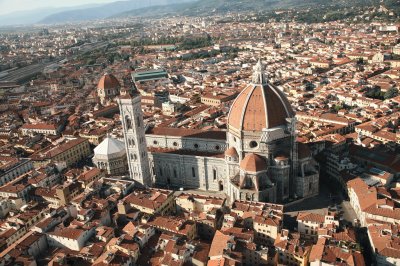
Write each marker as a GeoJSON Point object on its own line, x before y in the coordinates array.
{"type": "Point", "coordinates": [391, 93]}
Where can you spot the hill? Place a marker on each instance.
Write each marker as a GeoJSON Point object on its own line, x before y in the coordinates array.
{"type": "Point", "coordinates": [317, 9]}
{"type": "Point", "coordinates": [35, 15]}
{"type": "Point", "coordinates": [105, 11]}
{"type": "Point", "coordinates": [207, 7]}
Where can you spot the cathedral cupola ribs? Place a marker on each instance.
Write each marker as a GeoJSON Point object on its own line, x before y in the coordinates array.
{"type": "Point", "coordinates": [260, 105]}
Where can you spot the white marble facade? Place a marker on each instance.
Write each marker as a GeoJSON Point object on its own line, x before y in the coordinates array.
{"type": "Point", "coordinates": [260, 163]}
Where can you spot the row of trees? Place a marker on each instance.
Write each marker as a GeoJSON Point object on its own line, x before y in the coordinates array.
{"type": "Point", "coordinates": [159, 41]}
{"type": "Point", "coordinates": [228, 53]}
{"type": "Point", "coordinates": [376, 93]}
{"type": "Point", "coordinates": [196, 42]}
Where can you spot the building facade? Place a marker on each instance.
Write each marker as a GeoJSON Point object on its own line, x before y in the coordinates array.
{"type": "Point", "coordinates": [41, 128]}
{"type": "Point", "coordinates": [257, 158]}
{"type": "Point", "coordinates": [14, 168]}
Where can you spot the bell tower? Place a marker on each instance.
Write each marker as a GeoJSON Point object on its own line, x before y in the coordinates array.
{"type": "Point", "coordinates": [134, 134]}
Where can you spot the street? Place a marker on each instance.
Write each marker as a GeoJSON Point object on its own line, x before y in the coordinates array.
{"type": "Point", "coordinates": [319, 204]}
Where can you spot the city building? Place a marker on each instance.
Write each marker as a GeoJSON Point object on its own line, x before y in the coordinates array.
{"type": "Point", "coordinates": [46, 129]}
{"type": "Point", "coordinates": [71, 238]}
{"type": "Point", "coordinates": [68, 153]}
{"type": "Point", "coordinates": [150, 201]}
{"type": "Point", "coordinates": [11, 168]}
{"type": "Point", "coordinates": [110, 155]}
{"type": "Point", "coordinates": [259, 160]}
{"type": "Point", "coordinates": [108, 88]}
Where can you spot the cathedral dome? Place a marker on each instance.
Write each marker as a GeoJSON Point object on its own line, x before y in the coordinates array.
{"type": "Point", "coordinates": [108, 81]}
{"type": "Point", "coordinates": [260, 105]}
{"type": "Point", "coordinates": [253, 163]}
{"type": "Point", "coordinates": [231, 152]}
{"type": "Point", "coordinates": [110, 148]}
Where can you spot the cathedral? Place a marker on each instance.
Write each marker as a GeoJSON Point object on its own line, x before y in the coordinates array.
{"type": "Point", "coordinates": [257, 158]}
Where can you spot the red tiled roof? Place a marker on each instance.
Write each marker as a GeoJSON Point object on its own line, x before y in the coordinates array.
{"type": "Point", "coordinates": [312, 217]}
{"type": "Point", "coordinates": [218, 244]}
{"type": "Point", "coordinates": [71, 233]}
{"type": "Point", "coordinates": [253, 163]}
{"type": "Point", "coordinates": [188, 133]}
{"type": "Point", "coordinates": [39, 126]}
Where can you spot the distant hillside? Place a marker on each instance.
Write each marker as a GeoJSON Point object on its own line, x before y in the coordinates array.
{"type": "Point", "coordinates": [221, 6]}
{"type": "Point", "coordinates": [207, 7]}
{"type": "Point", "coordinates": [121, 9]}
{"type": "Point", "coordinates": [33, 16]}
{"type": "Point", "coordinates": [154, 11]}
{"type": "Point", "coordinates": [203, 6]}
{"type": "Point", "coordinates": [105, 11]}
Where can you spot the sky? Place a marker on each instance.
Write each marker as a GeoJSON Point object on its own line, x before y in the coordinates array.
{"type": "Point", "coordinates": [9, 6]}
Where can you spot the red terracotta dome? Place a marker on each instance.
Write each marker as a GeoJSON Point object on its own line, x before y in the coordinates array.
{"type": "Point", "coordinates": [231, 152]}
{"type": "Point", "coordinates": [108, 81]}
{"type": "Point", "coordinates": [260, 105]}
{"type": "Point", "coordinates": [253, 163]}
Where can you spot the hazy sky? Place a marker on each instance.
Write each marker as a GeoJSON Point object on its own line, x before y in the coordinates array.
{"type": "Point", "coordinates": [8, 6]}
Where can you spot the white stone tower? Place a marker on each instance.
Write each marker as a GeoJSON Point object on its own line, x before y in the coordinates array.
{"type": "Point", "coordinates": [134, 134]}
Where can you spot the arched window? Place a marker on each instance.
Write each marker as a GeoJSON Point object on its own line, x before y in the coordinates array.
{"type": "Point", "coordinates": [193, 172]}
{"type": "Point", "coordinates": [128, 122]}
{"type": "Point", "coordinates": [248, 196]}
{"type": "Point", "coordinates": [249, 182]}
{"type": "Point", "coordinates": [138, 121]}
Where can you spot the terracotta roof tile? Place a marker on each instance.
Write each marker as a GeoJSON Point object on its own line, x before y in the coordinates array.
{"type": "Point", "coordinates": [312, 217]}
{"type": "Point", "coordinates": [258, 107]}
{"type": "Point", "coordinates": [108, 81]}
{"type": "Point", "coordinates": [253, 163]}
{"type": "Point", "coordinates": [219, 243]}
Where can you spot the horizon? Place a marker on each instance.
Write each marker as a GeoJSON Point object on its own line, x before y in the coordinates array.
{"type": "Point", "coordinates": [8, 7]}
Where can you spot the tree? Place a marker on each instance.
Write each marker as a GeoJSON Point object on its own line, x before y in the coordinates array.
{"type": "Point", "coordinates": [337, 108]}
{"type": "Point", "coordinates": [360, 61]}
{"type": "Point", "coordinates": [391, 93]}
{"type": "Point", "coordinates": [374, 92]}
